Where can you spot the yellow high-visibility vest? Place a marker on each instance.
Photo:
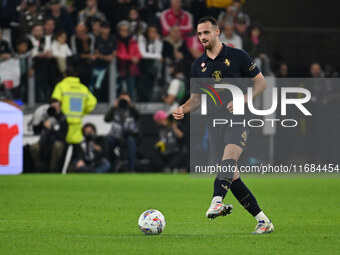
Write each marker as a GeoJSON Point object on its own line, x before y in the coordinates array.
{"type": "Point", "coordinates": [76, 101]}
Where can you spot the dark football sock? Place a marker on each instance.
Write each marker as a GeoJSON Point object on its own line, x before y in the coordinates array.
{"type": "Point", "coordinates": [245, 197]}
{"type": "Point", "coordinates": [223, 180]}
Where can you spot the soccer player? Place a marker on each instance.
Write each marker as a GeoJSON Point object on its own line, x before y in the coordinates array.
{"type": "Point", "coordinates": [220, 61]}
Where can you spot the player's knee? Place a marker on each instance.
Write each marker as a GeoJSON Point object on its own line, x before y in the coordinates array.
{"type": "Point", "coordinates": [228, 168]}
{"type": "Point", "coordinates": [231, 155]}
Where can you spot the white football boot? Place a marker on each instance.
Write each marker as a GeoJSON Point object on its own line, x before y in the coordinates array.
{"type": "Point", "coordinates": [218, 209]}
{"type": "Point", "coordinates": [264, 227]}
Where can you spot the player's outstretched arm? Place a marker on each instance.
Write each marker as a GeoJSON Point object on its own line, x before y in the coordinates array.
{"type": "Point", "coordinates": [190, 105]}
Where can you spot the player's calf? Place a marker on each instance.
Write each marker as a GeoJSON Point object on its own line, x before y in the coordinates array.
{"type": "Point", "coordinates": [248, 201]}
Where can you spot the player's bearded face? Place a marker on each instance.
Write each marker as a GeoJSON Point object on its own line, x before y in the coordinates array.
{"type": "Point", "coordinates": [207, 34]}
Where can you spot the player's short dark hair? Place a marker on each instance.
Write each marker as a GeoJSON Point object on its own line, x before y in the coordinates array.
{"type": "Point", "coordinates": [210, 19]}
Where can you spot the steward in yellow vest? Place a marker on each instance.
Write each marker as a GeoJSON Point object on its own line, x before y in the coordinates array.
{"type": "Point", "coordinates": [76, 101]}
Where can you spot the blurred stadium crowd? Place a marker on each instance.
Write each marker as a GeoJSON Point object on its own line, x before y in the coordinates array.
{"type": "Point", "coordinates": [150, 44]}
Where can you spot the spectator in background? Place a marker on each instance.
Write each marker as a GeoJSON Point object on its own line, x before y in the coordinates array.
{"type": "Point", "coordinates": [95, 28]}
{"type": "Point", "coordinates": [240, 13]}
{"type": "Point", "coordinates": [71, 7]}
{"type": "Point", "coordinates": [175, 16]}
{"type": "Point", "coordinates": [62, 19]}
{"type": "Point", "coordinates": [231, 14]}
{"type": "Point", "coordinates": [229, 37]}
{"type": "Point", "coordinates": [316, 70]}
{"type": "Point", "coordinates": [241, 27]}
{"type": "Point", "coordinates": [282, 71]}
{"type": "Point", "coordinates": [91, 157]}
{"type": "Point", "coordinates": [149, 10]}
{"type": "Point", "coordinates": [256, 47]}
{"type": "Point", "coordinates": [128, 56]}
{"type": "Point", "coordinates": [76, 101]}
{"type": "Point", "coordinates": [60, 50]}
{"type": "Point", "coordinates": [121, 10]}
{"type": "Point", "coordinates": [176, 91]}
{"type": "Point", "coordinates": [23, 53]}
{"type": "Point", "coordinates": [105, 52]}
{"type": "Point", "coordinates": [30, 17]}
{"type": "Point", "coordinates": [137, 26]}
{"type": "Point", "coordinates": [90, 13]}
{"type": "Point", "coordinates": [150, 47]}
{"type": "Point", "coordinates": [50, 123]}
{"type": "Point", "coordinates": [168, 154]}
{"type": "Point", "coordinates": [5, 49]}
{"type": "Point", "coordinates": [83, 45]}
{"type": "Point", "coordinates": [49, 28]}
{"type": "Point", "coordinates": [330, 71]}
{"type": "Point", "coordinates": [124, 131]}
{"type": "Point", "coordinates": [174, 51]}
{"type": "Point", "coordinates": [12, 10]}
{"type": "Point", "coordinates": [41, 54]}
{"type": "Point", "coordinates": [227, 16]}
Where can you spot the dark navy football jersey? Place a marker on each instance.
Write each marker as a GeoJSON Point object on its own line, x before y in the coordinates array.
{"type": "Point", "coordinates": [229, 63]}
{"type": "Point", "coordinates": [230, 66]}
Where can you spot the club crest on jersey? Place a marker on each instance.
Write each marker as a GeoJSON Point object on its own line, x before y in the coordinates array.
{"type": "Point", "coordinates": [203, 64]}
{"type": "Point", "coordinates": [217, 75]}
{"type": "Point", "coordinates": [204, 69]}
{"type": "Point", "coordinates": [227, 62]}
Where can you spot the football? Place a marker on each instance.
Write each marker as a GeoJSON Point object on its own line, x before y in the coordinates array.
{"type": "Point", "coordinates": [151, 222]}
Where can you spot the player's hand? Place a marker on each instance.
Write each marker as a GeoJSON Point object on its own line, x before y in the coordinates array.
{"type": "Point", "coordinates": [178, 113]}
{"type": "Point", "coordinates": [230, 107]}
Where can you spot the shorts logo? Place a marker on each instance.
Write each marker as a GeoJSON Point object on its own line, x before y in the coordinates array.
{"type": "Point", "coordinates": [252, 67]}
{"type": "Point", "coordinates": [227, 62]}
{"type": "Point", "coordinates": [217, 75]}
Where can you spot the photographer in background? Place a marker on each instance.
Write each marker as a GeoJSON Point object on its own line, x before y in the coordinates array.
{"type": "Point", "coordinates": [170, 151]}
{"type": "Point", "coordinates": [124, 130]}
{"type": "Point", "coordinates": [91, 156]}
{"type": "Point", "coordinates": [51, 124]}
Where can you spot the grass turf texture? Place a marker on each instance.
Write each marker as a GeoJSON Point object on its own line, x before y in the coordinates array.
{"type": "Point", "coordinates": [97, 214]}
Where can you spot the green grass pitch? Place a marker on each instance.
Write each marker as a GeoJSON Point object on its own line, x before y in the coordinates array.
{"type": "Point", "coordinates": [97, 214]}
